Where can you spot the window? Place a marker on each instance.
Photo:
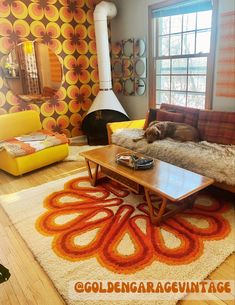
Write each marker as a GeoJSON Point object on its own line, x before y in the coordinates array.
{"type": "Point", "coordinates": [182, 53]}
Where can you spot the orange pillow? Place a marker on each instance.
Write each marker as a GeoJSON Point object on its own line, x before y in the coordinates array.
{"type": "Point", "coordinates": [162, 115]}
{"type": "Point", "coordinates": [170, 116]}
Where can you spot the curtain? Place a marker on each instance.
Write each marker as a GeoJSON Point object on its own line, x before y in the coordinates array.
{"type": "Point", "coordinates": [225, 84]}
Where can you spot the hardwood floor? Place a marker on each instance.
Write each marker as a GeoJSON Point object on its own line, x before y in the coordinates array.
{"type": "Point", "coordinates": [28, 284]}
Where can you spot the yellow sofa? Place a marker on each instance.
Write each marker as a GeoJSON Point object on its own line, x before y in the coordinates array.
{"type": "Point", "coordinates": [17, 124]}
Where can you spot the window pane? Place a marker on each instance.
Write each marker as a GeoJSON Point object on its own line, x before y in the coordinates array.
{"type": "Point", "coordinates": [175, 44]}
{"type": "Point", "coordinates": [179, 83]}
{"type": "Point", "coordinates": [176, 24]}
{"type": "Point", "coordinates": [196, 101]}
{"type": "Point", "coordinates": [163, 97]}
{"type": "Point", "coordinates": [189, 43]}
{"type": "Point", "coordinates": [203, 42]}
{"type": "Point", "coordinates": [197, 65]}
{"type": "Point", "coordinates": [204, 20]}
{"type": "Point", "coordinates": [163, 66]}
{"type": "Point", "coordinates": [197, 83]}
{"type": "Point", "coordinates": [179, 66]}
{"type": "Point", "coordinates": [163, 82]}
{"type": "Point", "coordinates": [163, 48]}
{"type": "Point", "coordinates": [182, 46]}
{"type": "Point", "coordinates": [189, 22]}
{"type": "Point", "coordinates": [178, 98]}
{"type": "Point", "coordinates": [164, 25]}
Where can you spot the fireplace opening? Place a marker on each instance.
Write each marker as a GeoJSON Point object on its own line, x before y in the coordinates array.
{"type": "Point", "coordinates": [94, 125]}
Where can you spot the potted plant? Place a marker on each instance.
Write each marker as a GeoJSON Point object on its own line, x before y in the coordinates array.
{"type": "Point", "coordinates": [4, 274]}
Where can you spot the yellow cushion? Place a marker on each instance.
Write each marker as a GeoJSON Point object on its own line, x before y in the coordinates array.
{"type": "Point", "coordinates": [20, 165]}
{"type": "Point", "coordinates": [111, 127]}
{"type": "Point", "coordinates": [19, 123]}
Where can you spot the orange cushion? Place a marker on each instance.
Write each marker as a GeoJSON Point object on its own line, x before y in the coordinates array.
{"type": "Point", "coordinates": [190, 114]}
{"type": "Point", "coordinates": [170, 116]}
{"type": "Point", "coordinates": [160, 115]}
{"type": "Point", "coordinates": [217, 126]}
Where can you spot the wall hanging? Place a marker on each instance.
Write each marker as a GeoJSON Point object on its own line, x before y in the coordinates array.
{"type": "Point", "coordinates": [129, 66]}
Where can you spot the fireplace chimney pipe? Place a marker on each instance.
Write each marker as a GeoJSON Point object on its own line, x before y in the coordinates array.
{"type": "Point", "coordinates": [103, 11]}
{"type": "Point", "coordinates": [106, 99]}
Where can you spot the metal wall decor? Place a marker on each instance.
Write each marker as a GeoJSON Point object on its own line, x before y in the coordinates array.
{"type": "Point", "coordinates": [129, 67]}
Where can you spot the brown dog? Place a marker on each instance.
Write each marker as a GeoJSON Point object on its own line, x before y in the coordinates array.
{"type": "Point", "coordinates": [177, 131]}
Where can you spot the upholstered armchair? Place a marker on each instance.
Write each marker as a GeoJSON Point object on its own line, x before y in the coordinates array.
{"type": "Point", "coordinates": [23, 123]}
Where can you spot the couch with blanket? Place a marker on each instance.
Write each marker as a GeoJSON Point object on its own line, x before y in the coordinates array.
{"type": "Point", "coordinates": [25, 146]}
{"type": "Point", "coordinates": [213, 156]}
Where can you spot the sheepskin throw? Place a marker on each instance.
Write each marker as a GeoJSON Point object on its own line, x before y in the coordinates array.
{"type": "Point", "coordinates": [209, 159]}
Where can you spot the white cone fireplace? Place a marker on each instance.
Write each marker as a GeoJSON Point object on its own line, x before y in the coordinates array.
{"type": "Point", "coordinates": [106, 107]}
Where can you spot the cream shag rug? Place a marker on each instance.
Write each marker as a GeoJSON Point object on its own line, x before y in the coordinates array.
{"type": "Point", "coordinates": [78, 232]}
{"type": "Point", "coordinates": [74, 152]}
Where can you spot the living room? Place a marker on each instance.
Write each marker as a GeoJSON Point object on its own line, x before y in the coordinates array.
{"type": "Point", "coordinates": [63, 224]}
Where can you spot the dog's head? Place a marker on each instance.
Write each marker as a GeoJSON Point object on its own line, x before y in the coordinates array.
{"type": "Point", "coordinates": [152, 133]}
{"type": "Point", "coordinates": [155, 131]}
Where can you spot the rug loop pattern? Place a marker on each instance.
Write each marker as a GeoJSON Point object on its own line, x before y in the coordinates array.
{"type": "Point", "coordinates": [112, 224]}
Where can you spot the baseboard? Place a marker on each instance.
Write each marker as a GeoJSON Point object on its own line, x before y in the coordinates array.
{"type": "Point", "coordinates": [78, 140]}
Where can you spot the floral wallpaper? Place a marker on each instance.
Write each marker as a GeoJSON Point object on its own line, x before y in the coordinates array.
{"type": "Point", "coordinates": [67, 27]}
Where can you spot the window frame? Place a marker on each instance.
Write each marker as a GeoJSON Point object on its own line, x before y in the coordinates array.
{"type": "Point", "coordinates": [152, 53]}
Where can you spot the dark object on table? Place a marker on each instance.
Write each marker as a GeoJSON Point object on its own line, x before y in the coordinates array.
{"type": "Point", "coordinates": [133, 161]}
{"type": "Point", "coordinates": [4, 274]}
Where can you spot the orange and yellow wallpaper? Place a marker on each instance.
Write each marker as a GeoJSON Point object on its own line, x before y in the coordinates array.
{"type": "Point", "coordinates": [67, 27]}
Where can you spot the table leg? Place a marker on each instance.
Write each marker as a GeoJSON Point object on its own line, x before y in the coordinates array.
{"type": "Point", "coordinates": [92, 177]}
{"type": "Point", "coordinates": [155, 219]}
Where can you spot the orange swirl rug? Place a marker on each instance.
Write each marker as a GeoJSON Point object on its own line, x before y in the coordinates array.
{"type": "Point", "coordinates": [78, 232]}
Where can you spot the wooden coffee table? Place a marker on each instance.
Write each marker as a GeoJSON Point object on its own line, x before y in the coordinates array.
{"type": "Point", "coordinates": [173, 184]}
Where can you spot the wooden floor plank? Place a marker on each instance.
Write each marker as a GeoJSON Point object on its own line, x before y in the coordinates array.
{"type": "Point", "coordinates": [219, 302]}
{"type": "Point", "coordinates": [29, 284]}
{"type": "Point", "coordinates": [3, 295]}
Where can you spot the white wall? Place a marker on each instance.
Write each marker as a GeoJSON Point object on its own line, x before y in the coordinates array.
{"type": "Point", "coordinates": [132, 22]}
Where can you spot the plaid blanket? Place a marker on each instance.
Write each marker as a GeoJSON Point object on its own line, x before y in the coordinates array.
{"type": "Point", "coordinates": [30, 143]}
